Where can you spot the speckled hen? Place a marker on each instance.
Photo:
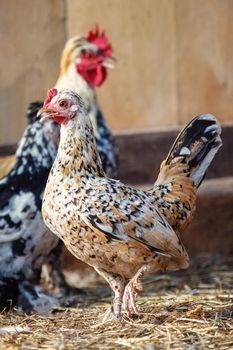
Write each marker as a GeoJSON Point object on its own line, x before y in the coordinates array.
{"type": "Point", "coordinates": [122, 232]}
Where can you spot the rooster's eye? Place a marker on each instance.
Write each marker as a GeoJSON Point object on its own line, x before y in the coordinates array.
{"type": "Point", "coordinates": [63, 103]}
{"type": "Point", "coordinates": [86, 54]}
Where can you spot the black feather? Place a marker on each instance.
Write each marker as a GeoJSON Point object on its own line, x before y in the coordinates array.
{"type": "Point", "coordinates": [197, 144]}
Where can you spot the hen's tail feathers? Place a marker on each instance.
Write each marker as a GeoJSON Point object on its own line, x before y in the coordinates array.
{"type": "Point", "coordinates": [174, 191]}
{"type": "Point", "coordinates": [196, 146]}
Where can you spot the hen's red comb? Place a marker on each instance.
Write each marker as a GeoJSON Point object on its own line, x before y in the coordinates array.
{"type": "Point", "coordinates": [99, 39]}
{"type": "Point", "coordinates": [50, 94]}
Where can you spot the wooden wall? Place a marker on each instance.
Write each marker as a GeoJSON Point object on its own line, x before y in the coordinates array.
{"type": "Point", "coordinates": [32, 34]}
{"type": "Point", "coordinates": [175, 58]}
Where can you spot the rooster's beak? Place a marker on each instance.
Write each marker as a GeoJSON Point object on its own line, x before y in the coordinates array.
{"type": "Point", "coordinates": [109, 62]}
{"type": "Point", "coordinates": [45, 113]}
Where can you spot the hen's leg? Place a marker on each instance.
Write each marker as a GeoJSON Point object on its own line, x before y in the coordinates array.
{"type": "Point", "coordinates": [133, 288]}
{"type": "Point", "coordinates": [8, 293]}
{"type": "Point", "coordinates": [117, 284]}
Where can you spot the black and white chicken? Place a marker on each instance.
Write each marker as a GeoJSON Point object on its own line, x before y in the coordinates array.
{"type": "Point", "coordinates": [25, 242]}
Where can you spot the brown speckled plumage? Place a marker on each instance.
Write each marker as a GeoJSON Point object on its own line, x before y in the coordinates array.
{"type": "Point", "coordinates": [120, 231]}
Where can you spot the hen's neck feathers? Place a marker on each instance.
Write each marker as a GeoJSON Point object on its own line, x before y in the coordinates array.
{"type": "Point", "coordinates": [72, 80]}
{"type": "Point", "coordinates": [77, 156]}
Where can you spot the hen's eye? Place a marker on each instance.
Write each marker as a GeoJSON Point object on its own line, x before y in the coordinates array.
{"type": "Point", "coordinates": [63, 103]}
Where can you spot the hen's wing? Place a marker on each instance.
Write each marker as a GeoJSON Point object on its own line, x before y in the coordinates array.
{"type": "Point", "coordinates": [123, 213]}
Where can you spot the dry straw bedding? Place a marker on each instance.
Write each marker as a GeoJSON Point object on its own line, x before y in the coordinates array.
{"type": "Point", "coordinates": [190, 309]}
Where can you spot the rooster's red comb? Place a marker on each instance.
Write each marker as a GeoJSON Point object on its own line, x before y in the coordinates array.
{"type": "Point", "coordinates": [95, 36]}
{"type": "Point", "coordinates": [50, 94]}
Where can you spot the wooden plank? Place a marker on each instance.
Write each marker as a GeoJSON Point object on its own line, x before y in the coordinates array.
{"type": "Point", "coordinates": [204, 58]}
{"type": "Point", "coordinates": [140, 155]}
{"type": "Point", "coordinates": [32, 51]}
{"type": "Point", "coordinates": [211, 229]}
{"type": "Point", "coordinates": [32, 35]}
{"type": "Point", "coordinates": [140, 92]}
{"type": "Point", "coordinates": [174, 58]}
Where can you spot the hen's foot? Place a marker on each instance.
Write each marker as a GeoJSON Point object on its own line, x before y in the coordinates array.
{"type": "Point", "coordinates": [109, 316]}
{"type": "Point", "coordinates": [129, 300]}
{"type": "Point", "coordinates": [132, 289]}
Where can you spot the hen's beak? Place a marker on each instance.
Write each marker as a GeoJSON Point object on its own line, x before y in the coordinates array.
{"type": "Point", "coordinates": [109, 62]}
{"type": "Point", "coordinates": [45, 113]}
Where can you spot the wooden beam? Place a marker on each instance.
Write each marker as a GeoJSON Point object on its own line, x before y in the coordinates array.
{"type": "Point", "coordinates": [140, 155]}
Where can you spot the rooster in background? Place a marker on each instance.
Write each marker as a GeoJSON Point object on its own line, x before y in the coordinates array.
{"type": "Point", "coordinates": [83, 67]}
{"type": "Point", "coordinates": [25, 241]}
{"type": "Point", "coordinates": [122, 232]}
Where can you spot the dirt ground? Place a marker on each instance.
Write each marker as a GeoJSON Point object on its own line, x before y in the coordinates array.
{"type": "Point", "coordinates": [190, 309]}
